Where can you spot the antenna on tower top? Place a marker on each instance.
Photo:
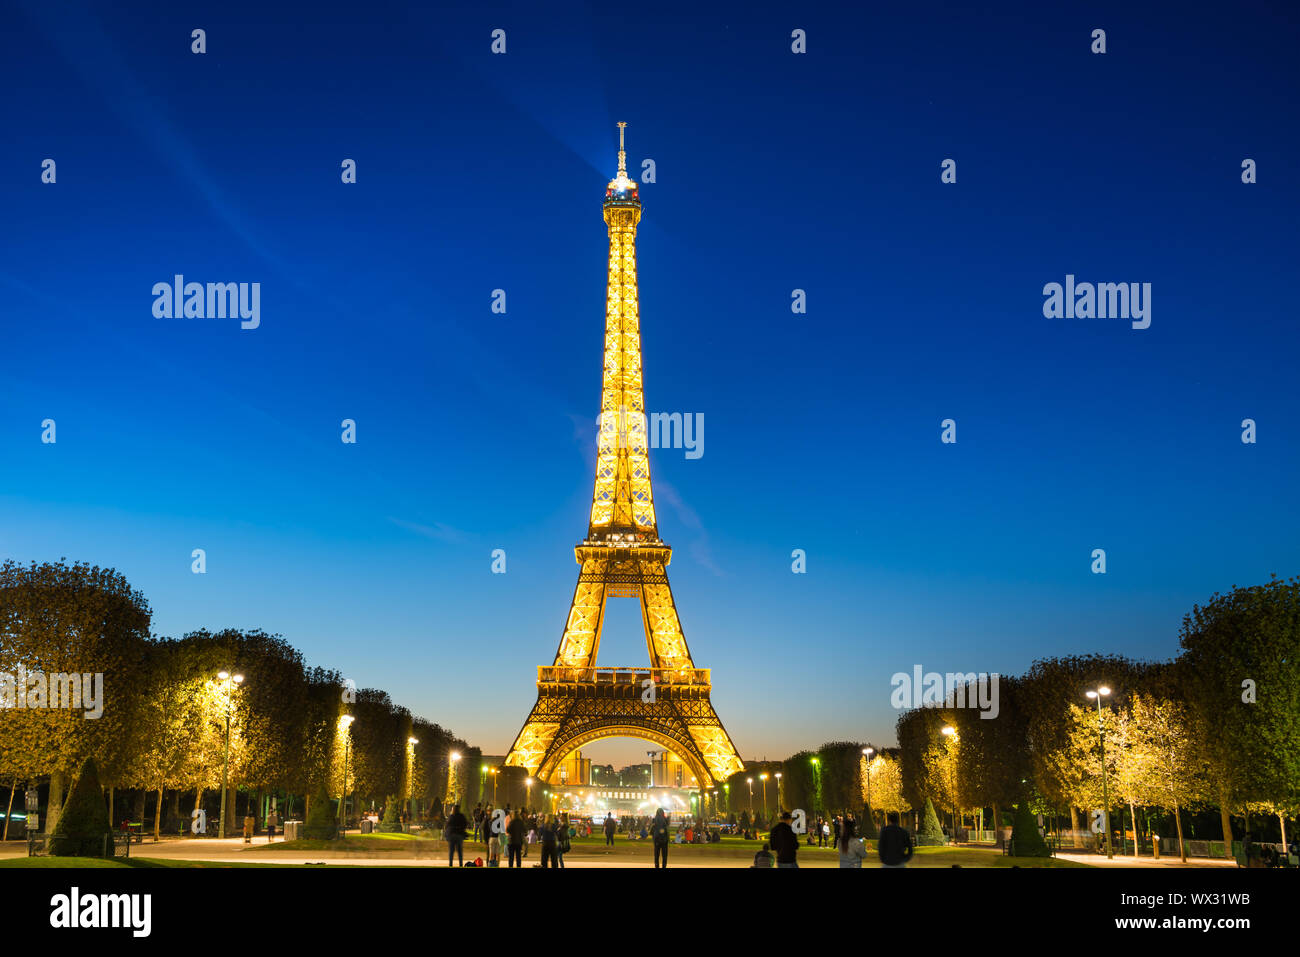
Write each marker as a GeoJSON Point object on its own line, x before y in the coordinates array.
{"type": "Point", "coordinates": [622, 153]}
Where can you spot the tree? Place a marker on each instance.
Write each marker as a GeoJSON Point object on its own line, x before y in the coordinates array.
{"type": "Point", "coordinates": [58, 624]}
{"type": "Point", "coordinates": [1043, 695]}
{"type": "Point", "coordinates": [886, 791]}
{"type": "Point", "coordinates": [83, 829]}
{"type": "Point", "coordinates": [1240, 654]}
{"type": "Point", "coordinates": [1168, 764]}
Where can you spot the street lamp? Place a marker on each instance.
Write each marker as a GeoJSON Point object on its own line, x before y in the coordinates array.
{"type": "Point", "coordinates": [780, 801]}
{"type": "Point", "coordinates": [229, 680]}
{"type": "Point", "coordinates": [529, 783]}
{"type": "Point", "coordinates": [493, 772]}
{"type": "Point", "coordinates": [1100, 693]}
{"type": "Point", "coordinates": [817, 783]}
{"type": "Point", "coordinates": [345, 722]}
{"type": "Point", "coordinates": [867, 753]}
{"type": "Point", "coordinates": [763, 777]}
{"type": "Point", "coordinates": [951, 732]}
{"type": "Point", "coordinates": [411, 743]}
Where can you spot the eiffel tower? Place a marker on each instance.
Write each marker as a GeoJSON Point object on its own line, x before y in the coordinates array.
{"type": "Point", "coordinates": [623, 557]}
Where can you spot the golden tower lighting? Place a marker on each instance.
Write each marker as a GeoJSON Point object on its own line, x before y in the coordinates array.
{"type": "Point", "coordinates": [623, 557]}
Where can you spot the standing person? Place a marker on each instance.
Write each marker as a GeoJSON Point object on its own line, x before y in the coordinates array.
{"type": "Point", "coordinates": [550, 843]}
{"type": "Point", "coordinates": [249, 821]}
{"type": "Point", "coordinates": [785, 842]}
{"type": "Point", "coordinates": [566, 835]}
{"type": "Point", "coordinates": [272, 820]}
{"type": "Point", "coordinates": [894, 846]}
{"type": "Point", "coordinates": [659, 833]}
{"type": "Point", "coordinates": [478, 821]}
{"type": "Point", "coordinates": [515, 833]}
{"type": "Point", "coordinates": [457, 828]}
{"type": "Point", "coordinates": [852, 850]}
{"type": "Point", "coordinates": [838, 825]}
{"type": "Point", "coordinates": [609, 829]}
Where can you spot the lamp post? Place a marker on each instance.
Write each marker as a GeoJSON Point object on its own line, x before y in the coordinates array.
{"type": "Point", "coordinates": [1098, 694]}
{"type": "Point", "coordinates": [780, 793]}
{"type": "Point", "coordinates": [750, 782]}
{"type": "Point", "coordinates": [411, 742]}
{"type": "Point", "coordinates": [951, 732]}
{"type": "Point", "coordinates": [763, 777]}
{"type": "Point", "coordinates": [817, 784]}
{"type": "Point", "coordinates": [230, 681]}
{"type": "Point", "coordinates": [452, 758]}
{"type": "Point", "coordinates": [867, 753]}
{"type": "Point", "coordinates": [528, 782]}
{"type": "Point", "coordinates": [345, 722]}
{"type": "Point", "coordinates": [493, 772]}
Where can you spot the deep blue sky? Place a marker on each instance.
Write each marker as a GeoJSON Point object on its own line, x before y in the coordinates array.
{"type": "Point", "coordinates": [775, 172]}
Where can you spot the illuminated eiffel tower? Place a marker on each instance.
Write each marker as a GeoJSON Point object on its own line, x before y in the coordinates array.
{"type": "Point", "coordinates": [623, 557]}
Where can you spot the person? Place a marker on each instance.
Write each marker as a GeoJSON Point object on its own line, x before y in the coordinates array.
{"type": "Point", "coordinates": [659, 834]}
{"type": "Point", "coordinates": [457, 828]}
{"type": "Point", "coordinates": [515, 833]}
{"type": "Point", "coordinates": [566, 834]}
{"type": "Point", "coordinates": [478, 822]}
{"type": "Point", "coordinates": [894, 846]}
{"type": "Point", "coordinates": [763, 858]}
{"type": "Point", "coordinates": [272, 820]}
{"type": "Point", "coordinates": [550, 843]}
{"type": "Point", "coordinates": [609, 829]}
{"type": "Point", "coordinates": [837, 827]}
{"type": "Point", "coordinates": [494, 850]}
{"type": "Point", "coordinates": [785, 842]}
{"type": "Point", "coordinates": [852, 850]}
{"type": "Point", "coordinates": [248, 829]}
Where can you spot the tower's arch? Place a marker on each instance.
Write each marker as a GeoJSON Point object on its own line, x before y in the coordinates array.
{"type": "Point", "coordinates": [682, 749]}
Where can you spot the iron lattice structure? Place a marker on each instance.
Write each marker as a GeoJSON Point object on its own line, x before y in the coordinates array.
{"type": "Point", "coordinates": [623, 556]}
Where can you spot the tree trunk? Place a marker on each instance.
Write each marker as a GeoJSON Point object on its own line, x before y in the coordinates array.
{"type": "Point", "coordinates": [1074, 822]}
{"type": "Point", "coordinates": [157, 817]}
{"type": "Point", "coordinates": [112, 821]}
{"type": "Point", "coordinates": [1226, 820]}
{"type": "Point", "coordinates": [1178, 822]}
{"type": "Point", "coordinates": [997, 822]}
{"type": "Point", "coordinates": [13, 787]}
{"type": "Point", "coordinates": [58, 783]}
{"type": "Point", "coordinates": [1280, 820]}
{"type": "Point", "coordinates": [1134, 815]}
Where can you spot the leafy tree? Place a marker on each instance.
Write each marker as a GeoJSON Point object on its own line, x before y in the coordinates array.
{"type": "Point", "coordinates": [83, 827]}
{"type": "Point", "coordinates": [1241, 675]}
{"type": "Point", "coordinates": [1168, 763]}
{"type": "Point", "coordinates": [1043, 696]}
{"type": "Point", "coordinates": [886, 779]}
{"type": "Point", "coordinates": [73, 620]}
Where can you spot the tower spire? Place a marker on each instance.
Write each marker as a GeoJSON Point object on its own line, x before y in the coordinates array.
{"type": "Point", "coordinates": [622, 153]}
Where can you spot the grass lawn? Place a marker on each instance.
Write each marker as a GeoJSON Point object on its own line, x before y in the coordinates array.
{"type": "Point", "coordinates": [99, 863]}
{"type": "Point", "coordinates": [593, 849]}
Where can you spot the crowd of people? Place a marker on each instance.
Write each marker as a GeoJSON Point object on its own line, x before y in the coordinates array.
{"type": "Point", "coordinates": [515, 831]}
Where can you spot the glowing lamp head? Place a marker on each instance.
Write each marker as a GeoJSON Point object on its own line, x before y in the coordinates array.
{"type": "Point", "coordinates": [950, 731]}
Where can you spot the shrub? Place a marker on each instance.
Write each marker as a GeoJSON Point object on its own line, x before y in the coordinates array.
{"type": "Point", "coordinates": [1025, 839]}
{"type": "Point", "coordinates": [83, 825]}
{"type": "Point", "coordinates": [321, 824]}
{"type": "Point", "coordinates": [931, 833]}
